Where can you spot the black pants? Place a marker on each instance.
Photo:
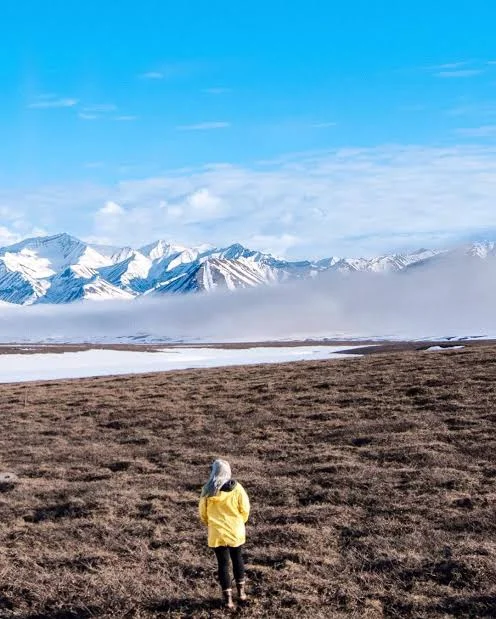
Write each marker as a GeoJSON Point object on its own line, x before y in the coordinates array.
{"type": "Point", "coordinates": [223, 553]}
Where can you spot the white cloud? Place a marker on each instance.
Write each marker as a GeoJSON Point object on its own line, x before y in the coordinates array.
{"type": "Point", "coordinates": [324, 125]}
{"type": "Point", "coordinates": [94, 165]}
{"type": "Point", "coordinates": [85, 116]}
{"type": "Point", "coordinates": [8, 237]}
{"type": "Point", "coordinates": [484, 131]}
{"type": "Point", "coordinates": [205, 126]}
{"type": "Point", "coordinates": [451, 65]}
{"type": "Point", "coordinates": [204, 201]}
{"type": "Point", "coordinates": [360, 201]}
{"type": "Point", "coordinates": [127, 118]}
{"type": "Point", "coordinates": [175, 212]}
{"type": "Point", "coordinates": [153, 75]}
{"type": "Point", "coordinates": [16, 224]}
{"type": "Point", "coordinates": [174, 69]}
{"type": "Point", "coordinates": [348, 202]}
{"type": "Point", "coordinates": [481, 110]}
{"type": "Point", "coordinates": [278, 245]}
{"type": "Point", "coordinates": [457, 73]}
{"type": "Point", "coordinates": [106, 220]}
{"type": "Point", "coordinates": [111, 208]}
{"type": "Point", "coordinates": [19, 230]}
{"type": "Point", "coordinates": [100, 108]}
{"type": "Point", "coordinates": [217, 91]}
{"type": "Point", "coordinates": [50, 101]}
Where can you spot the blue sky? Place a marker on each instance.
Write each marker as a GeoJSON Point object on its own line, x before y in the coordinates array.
{"type": "Point", "coordinates": [299, 127]}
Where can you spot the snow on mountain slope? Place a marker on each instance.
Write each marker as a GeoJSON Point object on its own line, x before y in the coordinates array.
{"type": "Point", "coordinates": [113, 255]}
{"type": "Point", "coordinates": [49, 255]}
{"type": "Point", "coordinates": [473, 252]}
{"type": "Point", "coordinates": [77, 283]}
{"type": "Point", "coordinates": [20, 288]}
{"type": "Point", "coordinates": [481, 250]}
{"type": "Point", "coordinates": [27, 263]}
{"type": "Point", "coordinates": [131, 274]}
{"type": "Point", "coordinates": [173, 260]}
{"type": "Point", "coordinates": [382, 264]}
{"type": "Point", "coordinates": [161, 249]}
{"type": "Point", "coordinates": [62, 268]}
{"type": "Point", "coordinates": [215, 273]}
{"type": "Point", "coordinates": [164, 249]}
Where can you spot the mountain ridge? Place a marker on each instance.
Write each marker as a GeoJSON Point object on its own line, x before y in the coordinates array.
{"type": "Point", "coordinates": [62, 268]}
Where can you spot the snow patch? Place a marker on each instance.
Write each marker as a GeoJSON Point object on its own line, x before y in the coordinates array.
{"type": "Point", "coordinates": [442, 348]}
{"type": "Point", "coordinates": [50, 366]}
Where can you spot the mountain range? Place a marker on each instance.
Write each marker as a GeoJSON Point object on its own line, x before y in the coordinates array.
{"type": "Point", "coordinates": [63, 269]}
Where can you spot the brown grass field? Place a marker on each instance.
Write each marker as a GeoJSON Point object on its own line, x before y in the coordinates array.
{"type": "Point", "coordinates": [373, 484]}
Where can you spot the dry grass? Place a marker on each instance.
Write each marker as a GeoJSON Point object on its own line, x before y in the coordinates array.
{"type": "Point", "coordinates": [373, 485]}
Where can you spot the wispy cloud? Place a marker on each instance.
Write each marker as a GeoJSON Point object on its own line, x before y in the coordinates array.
{"type": "Point", "coordinates": [451, 65]}
{"type": "Point", "coordinates": [479, 109]}
{"type": "Point", "coordinates": [459, 73]}
{"type": "Point", "coordinates": [174, 69]}
{"type": "Point", "coordinates": [85, 116]}
{"type": "Point", "coordinates": [96, 112]}
{"type": "Point", "coordinates": [216, 91]}
{"type": "Point", "coordinates": [152, 75]}
{"type": "Point", "coordinates": [414, 107]}
{"type": "Point", "coordinates": [93, 165]}
{"type": "Point", "coordinates": [324, 125]}
{"type": "Point", "coordinates": [305, 205]}
{"type": "Point", "coordinates": [204, 126]}
{"type": "Point", "coordinates": [485, 131]}
{"type": "Point", "coordinates": [100, 108]}
{"type": "Point", "coordinates": [51, 101]}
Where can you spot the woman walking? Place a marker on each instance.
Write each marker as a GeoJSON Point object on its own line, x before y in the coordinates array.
{"type": "Point", "coordinates": [224, 508]}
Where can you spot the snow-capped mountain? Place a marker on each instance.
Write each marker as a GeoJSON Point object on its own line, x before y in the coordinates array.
{"type": "Point", "coordinates": [50, 254]}
{"type": "Point", "coordinates": [78, 282]}
{"type": "Point", "coordinates": [62, 268]}
{"type": "Point", "coordinates": [130, 274]}
{"type": "Point", "coordinates": [212, 273]}
{"type": "Point", "coordinates": [381, 264]}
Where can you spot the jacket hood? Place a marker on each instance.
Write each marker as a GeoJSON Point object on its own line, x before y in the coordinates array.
{"type": "Point", "coordinates": [223, 494]}
{"type": "Point", "coordinates": [228, 486]}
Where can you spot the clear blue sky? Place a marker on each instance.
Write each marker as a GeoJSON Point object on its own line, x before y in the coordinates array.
{"type": "Point", "coordinates": [97, 96]}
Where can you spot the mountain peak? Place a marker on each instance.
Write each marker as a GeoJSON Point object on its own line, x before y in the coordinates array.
{"type": "Point", "coordinates": [161, 249]}
{"type": "Point", "coordinates": [61, 268]}
{"type": "Point", "coordinates": [61, 240]}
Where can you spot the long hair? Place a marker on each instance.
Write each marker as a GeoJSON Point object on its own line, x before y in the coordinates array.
{"type": "Point", "coordinates": [221, 472]}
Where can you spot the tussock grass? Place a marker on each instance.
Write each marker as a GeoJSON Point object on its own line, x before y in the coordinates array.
{"type": "Point", "coordinates": [373, 485]}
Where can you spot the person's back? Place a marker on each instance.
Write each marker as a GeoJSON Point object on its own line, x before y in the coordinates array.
{"type": "Point", "coordinates": [224, 508]}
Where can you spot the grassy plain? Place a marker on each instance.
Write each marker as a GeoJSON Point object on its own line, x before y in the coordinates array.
{"type": "Point", "coordinates": [373, 483]}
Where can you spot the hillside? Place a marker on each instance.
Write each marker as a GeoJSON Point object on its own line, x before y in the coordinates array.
{"type": "Point", "coordinates": [373, 485]}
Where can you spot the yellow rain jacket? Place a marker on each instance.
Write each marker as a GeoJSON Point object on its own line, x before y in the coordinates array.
{"type": "Point", "coordinates": [225, 515]}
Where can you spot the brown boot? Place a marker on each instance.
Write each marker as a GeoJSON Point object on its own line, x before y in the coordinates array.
{"type": "Point", "coordinates": [240, 585]}
{"type": "Point", "coordinates": [228, 600]}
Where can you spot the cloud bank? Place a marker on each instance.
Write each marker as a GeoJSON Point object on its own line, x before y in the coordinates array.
{"type": "Point", "coordinates": [348, 202]}
{"type": "Point", "coordinates": [451, 298]}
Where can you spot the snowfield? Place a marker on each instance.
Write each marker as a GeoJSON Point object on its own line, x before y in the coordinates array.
{"type": "Point", "coordinates": [88, 363]}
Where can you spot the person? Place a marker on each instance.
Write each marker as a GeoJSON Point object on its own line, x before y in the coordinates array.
{"type": "Point", "coordinates": [224, 508]}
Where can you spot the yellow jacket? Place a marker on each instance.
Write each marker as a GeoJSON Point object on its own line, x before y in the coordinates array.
{"type": "Point", "coordinates": [225, 515]}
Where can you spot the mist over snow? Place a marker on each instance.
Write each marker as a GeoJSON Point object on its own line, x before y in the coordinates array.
{"type": "Point", "coordinates": [455, 297]}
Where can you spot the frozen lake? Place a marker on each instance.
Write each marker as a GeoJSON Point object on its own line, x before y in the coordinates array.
{"type": "Point", "coordinates": [51, 366]}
